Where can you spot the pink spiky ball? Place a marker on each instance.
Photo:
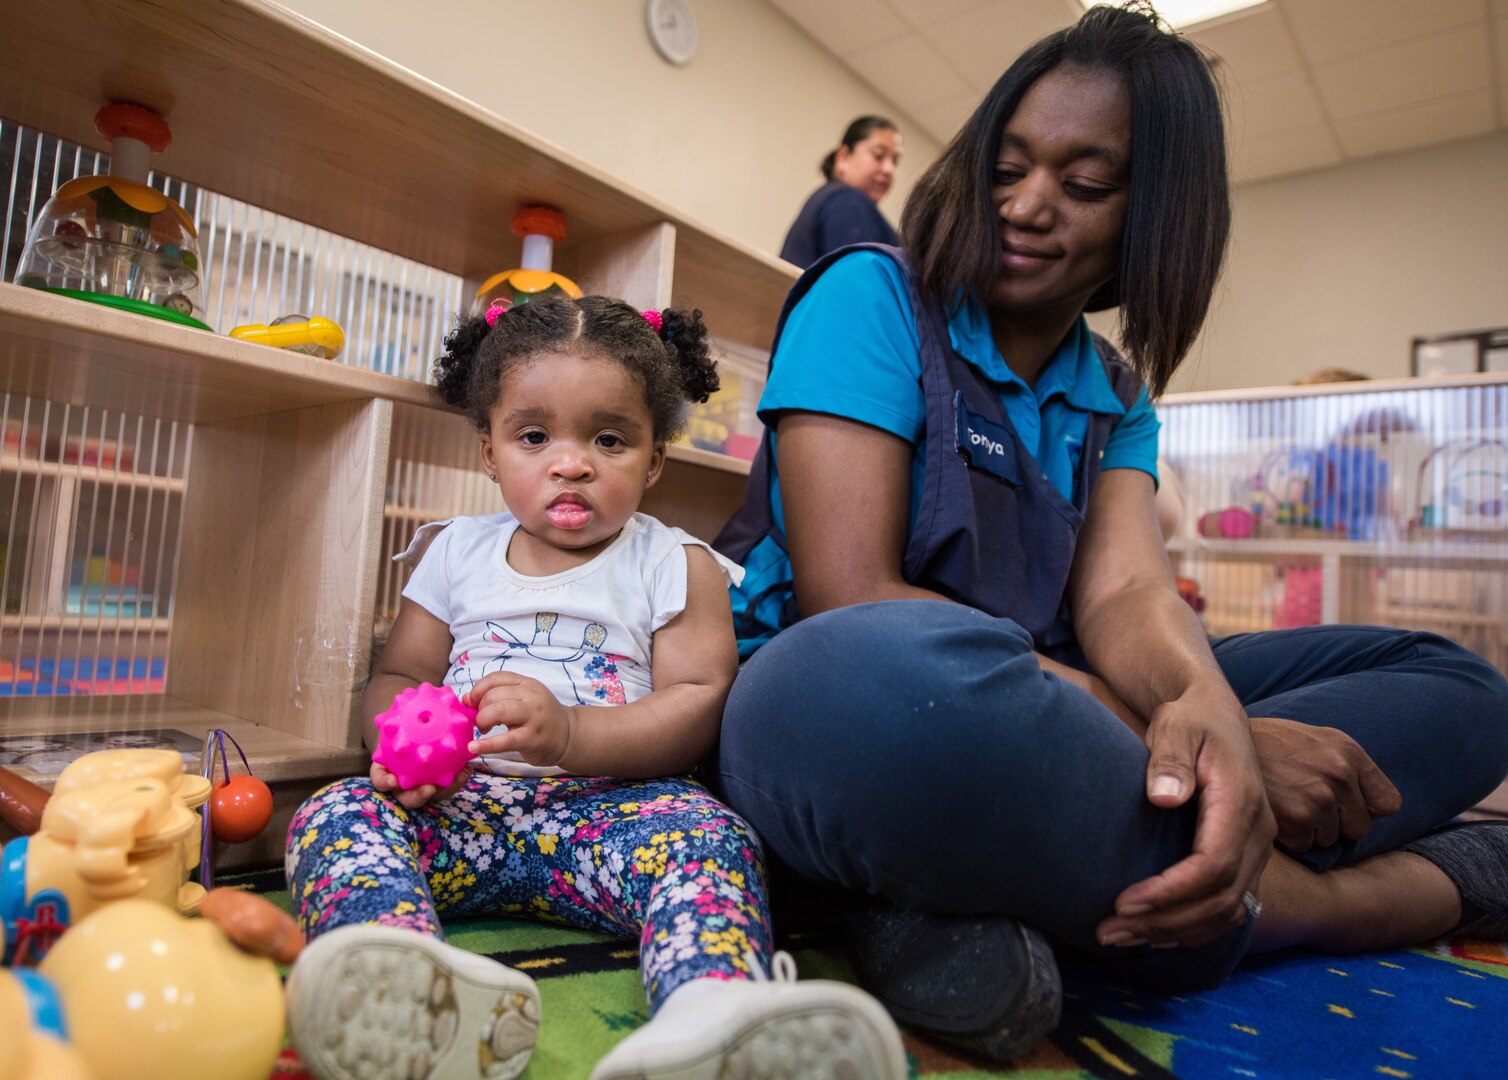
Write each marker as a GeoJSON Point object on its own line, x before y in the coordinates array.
{"type": "Point", "coordinates": [422, 736]}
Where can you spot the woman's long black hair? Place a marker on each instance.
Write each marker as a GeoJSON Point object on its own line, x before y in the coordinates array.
{"type": "Point", "coordinates": [1178, 210]}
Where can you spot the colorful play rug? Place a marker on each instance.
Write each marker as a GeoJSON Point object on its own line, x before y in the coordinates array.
{"type": "Point", "coordinates": [1432, 1012]}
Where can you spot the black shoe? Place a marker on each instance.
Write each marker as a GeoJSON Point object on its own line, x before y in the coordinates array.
{"type": "Point", "coordinates": [989, 985]}
{"type": "Point", "coordinates": [1474, 855]}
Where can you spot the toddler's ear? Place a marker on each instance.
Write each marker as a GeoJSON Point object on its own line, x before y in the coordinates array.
{"type": "Point", "coordinates": [656, 465]}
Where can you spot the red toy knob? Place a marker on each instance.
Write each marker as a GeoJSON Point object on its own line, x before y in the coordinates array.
{"type": "Point", "coordinates": [544, 220]}
{"type": "Point", "coordinates": [134, 122]}
{"type": "Point", "coordinates": [239, 809]}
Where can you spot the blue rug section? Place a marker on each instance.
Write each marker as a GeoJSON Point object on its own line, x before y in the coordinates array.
{"type": "Point", "coordinates": [1411, 1014]}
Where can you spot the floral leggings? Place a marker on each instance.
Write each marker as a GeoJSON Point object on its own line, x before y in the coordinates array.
{"type": "Point", "coordinates": [660, 860]}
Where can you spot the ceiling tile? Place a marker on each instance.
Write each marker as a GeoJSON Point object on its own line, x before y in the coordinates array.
{"type": "Point", "coordinates": [1250, 46]}
{"type": "Point", "coordinates": [1445, 65]}
{"type": "Point", "coordinates": [983, 42]}
{"type": "Point", "coordinates": [1264, 107]}
{"type": "Point", "coordinates": [942, 119]}
{"type": "Point", "coordinates": [1278, 155]}
{"type": "Point", "coordinates": [1329, 29]}
{"type": "Point", "coordinates": [909, 71]}
{"type": "Point", "coordinates": [1423, 125]}
{"type": "Point", "coordinates": [926, 12]}
{"type": "Point", "coordinates": [845, 25]}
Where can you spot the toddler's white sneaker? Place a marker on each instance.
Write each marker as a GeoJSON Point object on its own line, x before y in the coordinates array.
{"type": "Point", "coordinates": [380, 1003]}
{"type": "Point", "coordinates": [762, 1029]}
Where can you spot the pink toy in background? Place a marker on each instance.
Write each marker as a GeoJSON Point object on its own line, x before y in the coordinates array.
{"type": "Point", "coordinates": [1231, 523]}
{"type": "Point", "coordinates": [422, 736]}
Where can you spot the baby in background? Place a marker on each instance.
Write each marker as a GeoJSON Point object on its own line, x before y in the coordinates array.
{"type": "Point", "coordinates": [597, 646]}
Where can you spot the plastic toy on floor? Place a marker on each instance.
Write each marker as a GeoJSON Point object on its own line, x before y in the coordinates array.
{"type": "Point", "coordinates": [119, 824]}
{"type": "Point", "coordinates": [33, 1037]}
{"type": "Point", "coordinates": [239, 806]}
{"type": "Point", "coordinates": [112, 239]}
{"type": "Point", "coordinates": [143, 993]}
{"type": "Point", "coordinates": [541, 227]}
{"type": "Point", "coordinates": [422, 737]}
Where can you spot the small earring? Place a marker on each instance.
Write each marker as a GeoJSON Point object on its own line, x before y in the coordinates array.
{"type": "Point", "coordinates": [492, 476]}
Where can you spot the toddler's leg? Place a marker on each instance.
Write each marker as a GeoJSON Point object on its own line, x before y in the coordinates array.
{"type": "Point", "coordinates": [378, 993]}
{"type": "Point", "coordinates": [353, 857]}
{"type": "Point", "coordinates": [661, 861]}
{"type": "Point", "coordinates": [688, 870]}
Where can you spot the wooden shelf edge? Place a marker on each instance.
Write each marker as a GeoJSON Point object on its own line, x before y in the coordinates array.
{"type": "Point", "coordinates": [90, 474]}
{"type": "Point", "coordinates": [1259, 547]}
{"type": "Point", "coordinates": [87, 624]}
{"type": "Point", "coordinates": [274, 755]}
{"type": "Point", "coordinates": [707, 459]}
{"type": "Point", "coordinates": [1411, 384]}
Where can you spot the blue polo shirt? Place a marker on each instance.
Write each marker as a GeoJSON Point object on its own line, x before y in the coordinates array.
{"type": "Point", "coordinates": [850, 349]}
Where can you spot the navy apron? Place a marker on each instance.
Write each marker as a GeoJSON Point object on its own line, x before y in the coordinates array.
{"type": "Point", "coordinates": [991, 530]}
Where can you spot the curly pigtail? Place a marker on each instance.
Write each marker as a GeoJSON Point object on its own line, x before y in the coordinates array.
{"type": "Point", "coordinates": [684, 336]}
{"type": "Point", "coordinates": [454, 368]}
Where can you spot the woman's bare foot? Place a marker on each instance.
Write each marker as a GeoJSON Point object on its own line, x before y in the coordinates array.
{"type": "Point", "coordinates": [1384, 902]}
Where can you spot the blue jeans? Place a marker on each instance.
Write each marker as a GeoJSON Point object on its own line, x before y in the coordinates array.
{"type": "Point", "coordinates": [916, 750]}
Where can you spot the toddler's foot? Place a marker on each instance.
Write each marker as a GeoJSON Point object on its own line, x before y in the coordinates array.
{"type": "Point", "coordinates": [762, 1029]}
{"type": "Point", "coordinates": [381, 1003]}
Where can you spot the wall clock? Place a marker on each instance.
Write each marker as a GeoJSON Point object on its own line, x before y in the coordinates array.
{"type": "Point", "coordinates": [672, 29]}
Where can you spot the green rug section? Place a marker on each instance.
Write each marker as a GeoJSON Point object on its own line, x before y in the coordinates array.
{"type": "Point", "coordinates": [1281, 1016]}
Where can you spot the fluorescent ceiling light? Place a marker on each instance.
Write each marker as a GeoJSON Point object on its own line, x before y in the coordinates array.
{"type": "Point", "coordinates": [1181, 13]}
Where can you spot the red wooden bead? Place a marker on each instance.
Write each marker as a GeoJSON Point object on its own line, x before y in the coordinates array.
{"type": "Point", "coordinates": [239, 809]}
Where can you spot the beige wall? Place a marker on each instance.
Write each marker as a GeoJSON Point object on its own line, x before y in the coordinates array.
{"type": "Point", "coordinates": [1343, 268]}
{"type": "Point", "coordinates": [732, 139]}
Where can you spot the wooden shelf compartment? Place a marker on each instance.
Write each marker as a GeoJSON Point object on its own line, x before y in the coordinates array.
{"type": "Point", "coordinates": [283, 508]}
{"type": "Point", "coordinates": [319, 110]}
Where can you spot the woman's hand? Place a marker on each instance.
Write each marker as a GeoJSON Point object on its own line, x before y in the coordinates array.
{"type": "Point", "coordinates": [1321, 784]}
{"type": "Point", "coordinates": [1199, 747]}
{"type": "Point", "coordinates": [413, 798]}
{"type": "Point", "coordinates": [533, 722]}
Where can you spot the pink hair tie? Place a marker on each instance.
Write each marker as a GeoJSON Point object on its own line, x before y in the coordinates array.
{"type": "Point", "coordinates": [654, 319]}
{"type": "Point", "coordinates": [495, 311]}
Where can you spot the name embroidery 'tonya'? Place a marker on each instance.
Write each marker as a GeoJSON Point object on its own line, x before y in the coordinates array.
{"type": "Point", "coordinates": [989, 444]}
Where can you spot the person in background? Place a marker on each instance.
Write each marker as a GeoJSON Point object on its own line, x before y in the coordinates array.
{"type": "Point", "coordinates": [844, 210]}
{"type": "Point", "coordinates": [975, 707]}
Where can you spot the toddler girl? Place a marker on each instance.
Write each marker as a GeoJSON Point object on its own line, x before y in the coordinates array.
{"type": "Point", "coordinates": [572, 812]}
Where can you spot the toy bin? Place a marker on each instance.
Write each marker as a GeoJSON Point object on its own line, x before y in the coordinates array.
{"type": "Point", "coordinates": [728, 422]}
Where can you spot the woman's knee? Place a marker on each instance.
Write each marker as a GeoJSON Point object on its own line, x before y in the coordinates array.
{"type": "Point", "coordinates": [852, 668]}
{"type": "Point", "coordinates": [1474, 694]}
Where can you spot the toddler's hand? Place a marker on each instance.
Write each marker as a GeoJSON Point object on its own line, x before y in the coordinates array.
{"type": "Point", "coordinates": [527, 716]}
{"type": "Point", "coordinates": [413, 798]}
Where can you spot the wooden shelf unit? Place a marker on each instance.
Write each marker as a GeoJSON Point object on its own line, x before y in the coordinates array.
{"type": "Point", "coordinates": [282, 534]}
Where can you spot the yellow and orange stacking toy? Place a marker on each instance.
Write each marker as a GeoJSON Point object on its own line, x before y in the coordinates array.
{"type": "Point", "coordinates": [112, 239]}
{"type": "Point", "coordinates": [119, 824]}
{"type": "Point", "coordinates": [541, 227]}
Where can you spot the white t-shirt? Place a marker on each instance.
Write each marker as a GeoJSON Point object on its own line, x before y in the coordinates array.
{"type": "Point", "coordinates": [585, 632]}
